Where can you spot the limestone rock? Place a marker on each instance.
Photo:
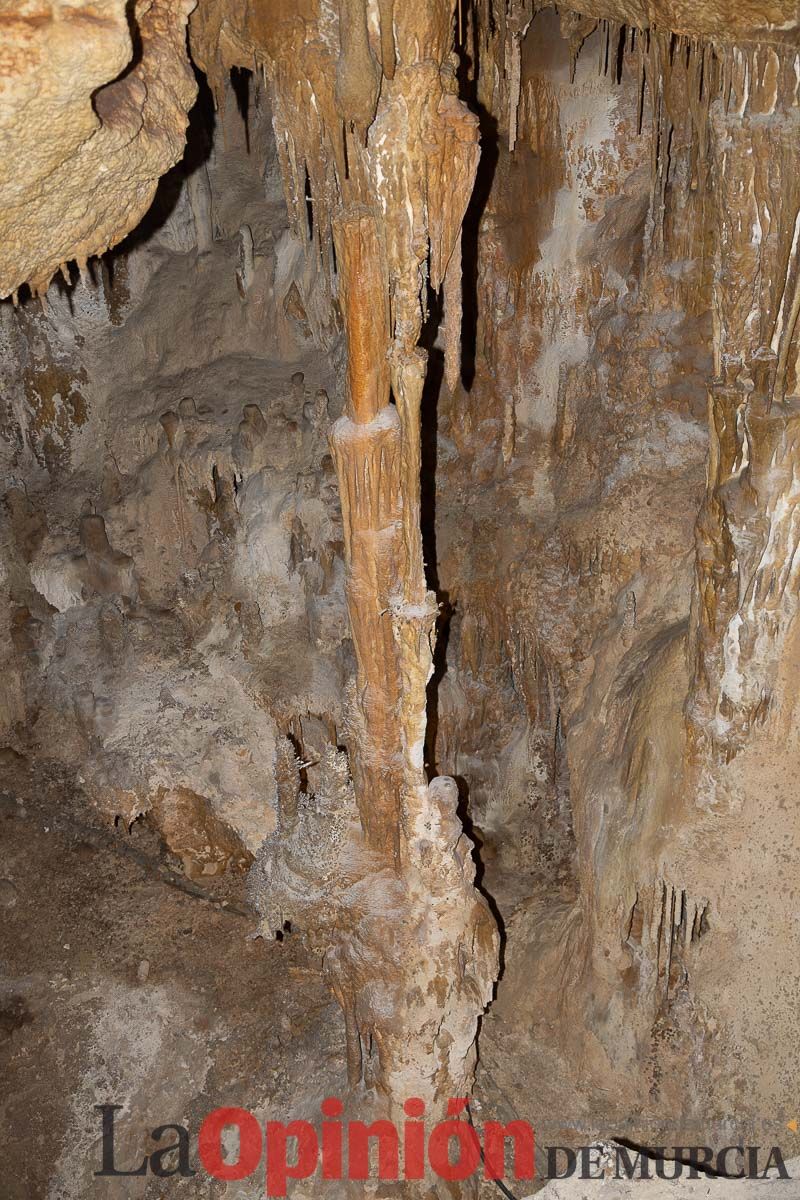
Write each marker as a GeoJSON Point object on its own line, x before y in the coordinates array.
{"type": "Point", "coordinates": [94, 104]}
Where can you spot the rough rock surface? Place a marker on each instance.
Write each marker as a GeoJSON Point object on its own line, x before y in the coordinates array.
{"type": "Point", "coordinates": [173, 601]}
{"type": "Point", "coordinates": [93, 110]}
{"type": "Point", "coordinates": [400, 531]}
{"type": "Point", "coordinates": [628, 774]}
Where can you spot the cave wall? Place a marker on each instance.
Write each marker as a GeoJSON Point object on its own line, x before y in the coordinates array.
{"type": "Point", "coordinates": [627, 785]}
{"type": "Point", "coordinates": [94, 110]}
{"type": "Point", "coordinates": [175, 603]}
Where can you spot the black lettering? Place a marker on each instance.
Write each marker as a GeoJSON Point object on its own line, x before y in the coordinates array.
{"type": "Point", "coordinates": [552, 1162]}
{"type": "Point", "coordinates": [588, 1161]}
{"type": "Point", "coordinates": [663, 1163]}
{"type": "Point", "coordinates": [775, 1161]}
{"type": "Point", "coordinates": [699, 1156]}
{"type": "Point", "coordinates": [108, 1111]}
{"type": "Point", "coordinates": [629, 1164]}
{"type": "Point", "coordinates": [182, 1146]}
{"type": "Point", "coordinates": [722, 1161]}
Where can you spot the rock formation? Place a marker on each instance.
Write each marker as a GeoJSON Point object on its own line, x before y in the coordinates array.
{"type": "Point", "coordinates": [400, 520]}
{"type": "Point", "coordinates": [94, 111]}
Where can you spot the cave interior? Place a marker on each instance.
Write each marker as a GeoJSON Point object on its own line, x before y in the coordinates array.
{"type": "Point", "coordinates": [399, 565]}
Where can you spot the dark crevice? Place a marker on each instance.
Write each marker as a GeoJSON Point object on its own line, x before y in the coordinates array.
{"type": "Point", "coordinates": [199, 134]}
{"type": "Point", "coordinates": [476, 837]}
{"type": "Point", "coordinates": [468, 73]}
{"type": "Point", "coordinates": [240, 83]}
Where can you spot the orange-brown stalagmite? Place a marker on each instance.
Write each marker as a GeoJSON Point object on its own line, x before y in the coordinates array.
{"type": "Point", "coordinates": [366, 449]}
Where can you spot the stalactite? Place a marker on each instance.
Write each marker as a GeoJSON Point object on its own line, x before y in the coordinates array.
{"type": "Point", "coordinates": [576, 29]}
{"type": "Point", "coordinates": [515, 74]}
{"type": "Point", "coordinates": [642, 78]}
{"type": "Point", "coordinates": [357, 75]}
{"type": "Point", "coordinates": [452, 318]}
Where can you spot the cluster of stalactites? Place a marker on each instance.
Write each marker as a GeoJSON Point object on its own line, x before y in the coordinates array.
{"type": "Point", "coordinates": [89, 270]}
{"type": "Point", "coordinates": [679, 78]}
{"type": "Point", "coordinates": [366, 115]}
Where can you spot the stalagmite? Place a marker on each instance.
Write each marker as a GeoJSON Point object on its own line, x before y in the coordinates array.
{"type": "Point", "coordinates": [246, 261]}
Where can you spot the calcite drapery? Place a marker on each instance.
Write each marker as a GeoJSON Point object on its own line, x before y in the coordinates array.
{"type": "Point", "coordinates": [747, 581]}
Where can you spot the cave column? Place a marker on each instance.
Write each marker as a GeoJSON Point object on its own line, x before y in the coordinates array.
{"type": "Point", "coordinates": [434, 958]}
{"type": "Point", "coordinates": [366, 449]}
